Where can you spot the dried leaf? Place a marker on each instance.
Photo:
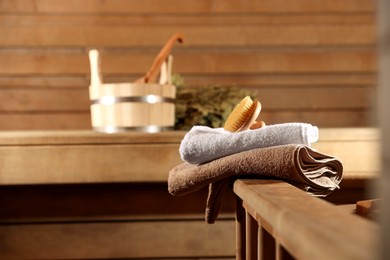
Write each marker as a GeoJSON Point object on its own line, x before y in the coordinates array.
{"type": "Point", "coordinates": [208, 105]}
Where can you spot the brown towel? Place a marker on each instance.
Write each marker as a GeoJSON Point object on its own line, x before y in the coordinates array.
{"type": "Point", "coordinates": [315, 172]}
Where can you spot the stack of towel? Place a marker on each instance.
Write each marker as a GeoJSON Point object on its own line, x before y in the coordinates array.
{"type": "Point", "coordinates": [216, 158]}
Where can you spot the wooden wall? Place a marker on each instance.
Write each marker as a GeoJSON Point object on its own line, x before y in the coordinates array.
{"type": "Point", "coordinates": [311, 61]}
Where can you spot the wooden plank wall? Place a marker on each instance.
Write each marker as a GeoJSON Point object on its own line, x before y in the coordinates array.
{"type": "Point", "coordinates": [311, 61]}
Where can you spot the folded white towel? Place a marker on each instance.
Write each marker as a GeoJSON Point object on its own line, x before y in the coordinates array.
{"type": "Point", "coordinates": [203, 144]}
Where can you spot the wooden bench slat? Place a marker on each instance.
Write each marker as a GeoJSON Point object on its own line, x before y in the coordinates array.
{"type": "Point", "coordinates": [309, 228]}
{"type": "Point", "coordinates": [150, 239]}
{"type": "Point", "coordinates": [153, 163]}
{"type": "Point", "coordinates": [27, 153]}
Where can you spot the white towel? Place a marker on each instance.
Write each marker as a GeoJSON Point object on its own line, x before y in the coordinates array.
{"type": "Point", "coordinates": [204, 144]}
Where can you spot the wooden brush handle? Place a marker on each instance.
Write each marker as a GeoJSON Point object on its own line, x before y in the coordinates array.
{"type": "Point", "coordinates": [257, 124]}
{"type": "Point", "coordinates": [150, 76]}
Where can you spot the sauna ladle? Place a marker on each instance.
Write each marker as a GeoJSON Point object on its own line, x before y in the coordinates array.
{"type": "Point", "coordinates": [150, 76]}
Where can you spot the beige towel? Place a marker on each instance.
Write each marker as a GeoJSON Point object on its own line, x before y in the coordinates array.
{"type": "Point", "coordinates": [315, 172]}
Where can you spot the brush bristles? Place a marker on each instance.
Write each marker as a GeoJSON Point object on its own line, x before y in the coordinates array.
{"type": "Point", "coordinates": [240, 115]}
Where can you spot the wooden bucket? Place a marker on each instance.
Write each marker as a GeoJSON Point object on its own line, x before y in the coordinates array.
{"type": "Point", "coordinates": [119, 107]}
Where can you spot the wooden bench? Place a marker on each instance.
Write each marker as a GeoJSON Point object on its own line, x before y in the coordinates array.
{"type": "Point", "coordinates": [275, 220]}
{"type": "Point", "coordinates": [87, 195]}
{"type": "Point", "coordinates": [278, 221]}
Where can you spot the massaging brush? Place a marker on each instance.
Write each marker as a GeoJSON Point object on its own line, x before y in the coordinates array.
{"type": "Point", "coordinates": [243, 115]}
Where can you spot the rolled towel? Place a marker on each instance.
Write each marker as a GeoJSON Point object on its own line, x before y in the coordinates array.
{"type": "Point", "coordinates": [203, 144]}
{"type": "Point", "coordinates": [310, 170]}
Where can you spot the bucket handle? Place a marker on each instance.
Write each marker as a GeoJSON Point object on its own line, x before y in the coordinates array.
{"type": "Point", "coordinates": [95, 67]}
{"type": "Point", "coordinates": [166, 71]}
{"type": "Point", "coordinates": [94, 60]}
{"type": "Point", "coordinates": [169, 69]}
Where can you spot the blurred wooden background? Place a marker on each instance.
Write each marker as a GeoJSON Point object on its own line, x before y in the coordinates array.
{"type": "Point", "coordinates": [309, 61]}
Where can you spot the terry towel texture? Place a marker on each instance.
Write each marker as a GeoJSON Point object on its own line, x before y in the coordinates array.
{"type": "Point", "coordinates": [203, 144]}
{"type": "Point", "coordinates": [315, 172]}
